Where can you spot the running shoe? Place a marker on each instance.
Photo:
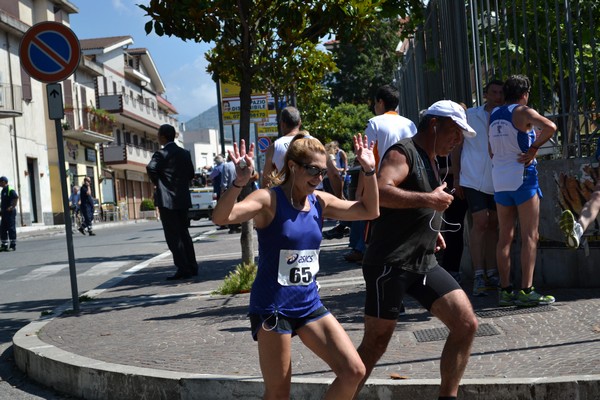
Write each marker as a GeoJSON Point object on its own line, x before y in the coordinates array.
{"type": "Point", "coordinates": [533, 299]}
{"type": "Point", "coordinates": [479, 286]}
{"type": "Point", "coordinates": [571, 228]}
{"type": "Point", "coordinates": [506, 299]}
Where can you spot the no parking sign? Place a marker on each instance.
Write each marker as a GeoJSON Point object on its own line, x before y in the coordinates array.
{"type": "Point", "coordinates": [263, 143]}
{"type": "Point", "coordinates": [49, 52]}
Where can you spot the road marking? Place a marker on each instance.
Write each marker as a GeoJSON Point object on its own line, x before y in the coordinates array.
{"type": "Point", "coordinates": [4, 271]}
{"type": "Point", "coordinates": [44, 272]}
{"type": "Point", "coordinates": [105, 268]}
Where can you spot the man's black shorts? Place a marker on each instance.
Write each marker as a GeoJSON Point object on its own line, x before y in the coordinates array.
{"type": "Point", "coordinates": [387, 285]}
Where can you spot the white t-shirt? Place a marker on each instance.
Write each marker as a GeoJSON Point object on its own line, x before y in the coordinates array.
{"type": "Point", "coordinates": [475, 161]}
{"type": "Point", "coordinates": [280, 146]}
{"type": "Point", "coordinates": [385, 130]}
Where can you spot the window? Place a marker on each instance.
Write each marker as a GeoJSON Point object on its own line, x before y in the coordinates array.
{"type": "Point", "coordinates": [26, 85]}
{"type": "Point", "coordinates": [128, 137]}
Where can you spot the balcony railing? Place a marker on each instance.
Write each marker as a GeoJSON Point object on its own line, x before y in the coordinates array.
{"type": "Point", "coordinates": [125, 153]}
{"type": "Point", "coordinates": [88, 119]}
{"type": "Point", "coordinates": [117, 103]}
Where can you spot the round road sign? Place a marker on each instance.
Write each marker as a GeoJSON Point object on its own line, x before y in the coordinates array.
{"type": "Point", "coordinates": [263, 143]}
{"type": "Point", "coordinates": [49, 52]}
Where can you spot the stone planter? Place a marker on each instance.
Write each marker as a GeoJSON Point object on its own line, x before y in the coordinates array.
{"type": "Point", "coordinates": [148, 214]}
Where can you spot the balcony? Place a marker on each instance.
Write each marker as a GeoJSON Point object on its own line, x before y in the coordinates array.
{"type": "Point", "coordinates": [96, 126]}
{"type": "Point", "coordinates": [8, 107]}
{"type": "Point", "coordinates": [136, 110]}
{"type": "Point", "coordinates": [126, 156]}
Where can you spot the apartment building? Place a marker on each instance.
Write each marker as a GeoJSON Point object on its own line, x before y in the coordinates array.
{"type": "Point", "coordinates": [131, 92]}
{"type": "Point", "coordinates": [24, 148]}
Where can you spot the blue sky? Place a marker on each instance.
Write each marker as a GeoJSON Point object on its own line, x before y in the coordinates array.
{"type": "Point", "coordinates": [181, 65]}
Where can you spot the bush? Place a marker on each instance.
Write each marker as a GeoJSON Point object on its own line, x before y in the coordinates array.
{"type": "Point", "coordinates": [238, 281]}
{"type": "Point", "coordinates": [147, 205]}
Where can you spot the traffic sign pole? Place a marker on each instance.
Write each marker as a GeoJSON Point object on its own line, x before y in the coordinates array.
{"type": "Point", "coordinates": [67, 214]}
{"type": "Point", "coordinates": [50, 53]}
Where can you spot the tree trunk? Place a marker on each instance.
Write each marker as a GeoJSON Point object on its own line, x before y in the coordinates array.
{"type": "Point", "coordinates": [246, 239]}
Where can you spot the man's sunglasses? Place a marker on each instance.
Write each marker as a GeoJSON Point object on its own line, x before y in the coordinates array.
{"type": "Point", "coordinates": [314, 171]}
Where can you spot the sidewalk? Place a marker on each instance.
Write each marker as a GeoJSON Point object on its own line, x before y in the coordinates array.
{"type": "Point", "coordinates": [152, 339]}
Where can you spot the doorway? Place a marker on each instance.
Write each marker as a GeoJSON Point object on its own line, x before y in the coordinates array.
{"type": "Point", "coordinates": [32, 181]}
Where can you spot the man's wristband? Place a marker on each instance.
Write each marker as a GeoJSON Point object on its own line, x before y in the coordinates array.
{"type": "Point", "coordinates": [534, 147]}
{"type": "Point", "coordinates": [368, 173]}
{"type": "Point", "coordinates": [234, 185]}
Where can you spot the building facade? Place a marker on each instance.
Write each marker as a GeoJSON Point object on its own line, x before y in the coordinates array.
{"type": "Point", "coordinates": [24, 149]}
{"type": "Point", "coordinates": [131, 92]}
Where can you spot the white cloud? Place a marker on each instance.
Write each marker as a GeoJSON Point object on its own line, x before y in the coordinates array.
{"type": "Point", "coordinates": [191, 89]}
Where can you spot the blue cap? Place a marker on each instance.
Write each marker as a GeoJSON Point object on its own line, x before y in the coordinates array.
{"type": "Point", "coordinates": [3, 179]}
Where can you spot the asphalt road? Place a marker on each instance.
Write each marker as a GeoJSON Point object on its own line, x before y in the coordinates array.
{"type": "Point", "coordinates": [35, 280]}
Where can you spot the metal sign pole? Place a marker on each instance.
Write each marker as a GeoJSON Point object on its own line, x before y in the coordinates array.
{"type": "Point", "coordinates": [68, 224]}
{"type": "Point", "coordinates": [56, 112]}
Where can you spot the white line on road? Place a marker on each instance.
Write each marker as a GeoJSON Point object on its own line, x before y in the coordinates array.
{"type": "Point", "coordinates": [43, 272]}
{"type": "Point", "coordinates": [104, 268]}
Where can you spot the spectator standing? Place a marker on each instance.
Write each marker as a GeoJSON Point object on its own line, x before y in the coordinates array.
{"type": "Point", "coordinates": [74, 204]}
{"type": "Point", "coordinates": [216, 175]}
{"type": "Point", "coordinates": [513, 147]}
{"type": "Point", "coordinates": [171, 170]}
{"type": "Point", "coordinates": [8, 212]}
{"type": "Point", "coordinates": [290, 122]}
{"type": "Point", "coordinates": [473, 182]}
{"type": "Point", "coordinates": [400, 258]}
{"type": "Point", "coordinates": [284, 300]}
{"type": "Point", "coordinates": [86, 207]}
{"type": "Point", "coordinates": [385, 129]}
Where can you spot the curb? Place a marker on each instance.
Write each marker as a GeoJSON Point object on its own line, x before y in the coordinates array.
{"type": "Point", "coordinates": [94, 380]}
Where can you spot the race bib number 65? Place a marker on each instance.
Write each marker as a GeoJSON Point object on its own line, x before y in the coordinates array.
{"type": "Point", "coordinates": [297, 267]}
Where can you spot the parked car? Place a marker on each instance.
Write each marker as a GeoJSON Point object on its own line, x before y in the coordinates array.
{"type": "Point", "coordinates": [204, 201]}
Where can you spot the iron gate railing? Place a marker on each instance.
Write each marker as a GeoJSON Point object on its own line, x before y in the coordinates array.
{"type": "Point", "coordinates": [462, 45]}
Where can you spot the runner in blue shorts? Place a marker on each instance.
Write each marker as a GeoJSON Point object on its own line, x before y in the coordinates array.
{"type": "Point", "coordinates": [513, 146]}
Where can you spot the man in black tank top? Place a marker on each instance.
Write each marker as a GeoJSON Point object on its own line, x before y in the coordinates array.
{"type": "Point", "coordinates": [400, 258]}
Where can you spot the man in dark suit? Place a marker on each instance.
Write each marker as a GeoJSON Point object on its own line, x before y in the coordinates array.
{"type": "Point", "coordinates": [171, 171]}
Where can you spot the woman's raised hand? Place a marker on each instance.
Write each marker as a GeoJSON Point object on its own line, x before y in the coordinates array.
{"type": "Point", "coordinates": [243, 160]}
{"type": "Point", "coordinates": [364, 152]}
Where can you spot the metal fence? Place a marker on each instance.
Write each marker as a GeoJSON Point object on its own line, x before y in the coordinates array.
{"type": "Point", "coordinates": [464, 44]}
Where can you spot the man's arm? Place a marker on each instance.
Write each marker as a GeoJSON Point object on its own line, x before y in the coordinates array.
{"type": "Point", "coordinates": [524, 118]}
{"type": "Point", "coordinates": [268, 168]}
{"type": "Point", "coordinates": [153, 167]}
{"type": "Point", "coordinates": [393, 171]}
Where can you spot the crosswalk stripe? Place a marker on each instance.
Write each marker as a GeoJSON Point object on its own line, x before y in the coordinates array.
{"type": "Point", "coordinates": [43, 272]}
{"type": "Point", "coordinates": [104, 268]}
{"type": "Point", "coordinates": [4, 271]}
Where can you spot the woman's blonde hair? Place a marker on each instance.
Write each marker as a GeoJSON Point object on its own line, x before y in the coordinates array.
{"type": "Point", "coordinates": [301, 149]}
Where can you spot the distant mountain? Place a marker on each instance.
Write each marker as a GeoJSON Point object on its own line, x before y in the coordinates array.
{"type": "Point", "coordinates": [209, 119]}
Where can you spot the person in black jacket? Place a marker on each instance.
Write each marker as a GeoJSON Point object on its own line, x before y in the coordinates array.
{"type": "Point", "coordinates": [8, 212]}
{"type": "Point", "coordinates": [86, 207]}
{"type": "Point", "coordinates": [171, 170]}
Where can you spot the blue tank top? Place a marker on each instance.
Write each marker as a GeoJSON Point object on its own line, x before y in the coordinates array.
{"type": "Point", "coordinates": [507, 143]}
{"type": "Point", "coordinates": [288, 260]}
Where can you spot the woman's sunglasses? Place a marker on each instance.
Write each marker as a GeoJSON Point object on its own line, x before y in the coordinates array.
{"type": "Point", "coordinates": [314, 171]}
